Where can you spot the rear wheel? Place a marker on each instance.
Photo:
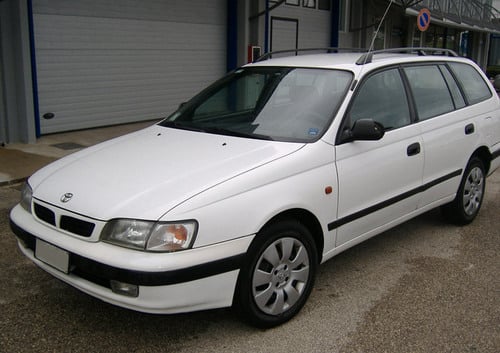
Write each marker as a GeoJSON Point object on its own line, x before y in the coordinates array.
{"type": "Point", "coordinates": [278, 275]}
{"type": "Point", "coordinates": [465, 207]}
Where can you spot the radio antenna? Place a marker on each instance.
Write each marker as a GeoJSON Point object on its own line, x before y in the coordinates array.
{"type": "Point", "coordinates": [376, 31]}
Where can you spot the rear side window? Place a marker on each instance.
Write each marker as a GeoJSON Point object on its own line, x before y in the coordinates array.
{"type": "Point", "coordinates": [382, 98]}
{"type": "Point", "coordinates": [431, 93]}
{"type": "Point", "coordinates": [472, 82]}
{"type": "Point", "coordinates": [458, 99]}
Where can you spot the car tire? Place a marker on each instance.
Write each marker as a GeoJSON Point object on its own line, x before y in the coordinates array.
{"type": "Point", "coordinates": [278, 275]}
{"type": "Point", "coordinates": [467, 203]}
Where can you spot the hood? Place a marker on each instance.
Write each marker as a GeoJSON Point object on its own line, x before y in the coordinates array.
{"type": "Point", "coordinates": [145, 174]}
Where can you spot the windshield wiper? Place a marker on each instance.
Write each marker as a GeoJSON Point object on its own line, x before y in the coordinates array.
{"type": "Point", "coordinates": [214, 130]}
{"type": "Point", "coordinates": [223, 131]}
{"type": "Point", "coordinates": [181, 126]}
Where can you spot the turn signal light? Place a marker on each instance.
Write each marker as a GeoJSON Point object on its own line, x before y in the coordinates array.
{"type": "Point", "coordinates": [179, 232]}
{"type": "Point", "coordinates": [129, 290]}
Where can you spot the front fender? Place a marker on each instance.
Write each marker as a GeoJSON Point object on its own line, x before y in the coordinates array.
{"type": "Point", "coordinates": [244, 204]}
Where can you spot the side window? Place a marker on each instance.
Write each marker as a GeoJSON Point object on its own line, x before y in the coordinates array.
{"type": "Point", "coordinates": [472, 82]}
{"type": "Point", "coordinates": [382, 98]}
{"type": "Point", "coordinates": [431, 94]}
{"type": "Point", "coordinates": [458, 99]}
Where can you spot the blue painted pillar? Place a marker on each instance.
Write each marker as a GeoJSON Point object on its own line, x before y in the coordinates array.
{"type": "Point", "coordinates": [232, 35]}
{"type": "Point", "coordinates": [33, 69]}
{"type": "Point", "coordinates": [266, 29]}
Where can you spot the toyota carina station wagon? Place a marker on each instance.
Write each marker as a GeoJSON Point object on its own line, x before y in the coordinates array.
{"type": "Point", "coordinates": [237, 197]}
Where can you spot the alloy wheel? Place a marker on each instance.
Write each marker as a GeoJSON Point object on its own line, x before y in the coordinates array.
{"type": "Point", "coordinates": [280, 276]}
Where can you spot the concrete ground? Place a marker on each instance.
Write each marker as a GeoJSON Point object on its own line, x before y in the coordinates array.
{"type": "Point", "coordinates": [424, 286]}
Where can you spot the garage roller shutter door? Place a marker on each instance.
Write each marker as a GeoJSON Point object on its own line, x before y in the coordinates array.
{"type": "Point", "coordinates": [105, 62]}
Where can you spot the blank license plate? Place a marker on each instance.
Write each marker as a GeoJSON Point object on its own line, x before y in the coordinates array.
{"type": "Point", "coordinates": [52, 255]}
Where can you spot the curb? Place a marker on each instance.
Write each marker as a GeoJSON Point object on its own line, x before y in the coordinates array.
{"type": "Point", "coordinates": [12, 182]}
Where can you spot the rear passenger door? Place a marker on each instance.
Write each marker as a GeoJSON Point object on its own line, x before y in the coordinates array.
{"type": "Point", "coordinates": [448, 115]}
{"type": "Point", "coordinates": [377, 179]}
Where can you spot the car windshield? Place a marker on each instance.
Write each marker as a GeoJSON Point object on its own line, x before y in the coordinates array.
{"type": "Point", "coordinates": [273, 103]}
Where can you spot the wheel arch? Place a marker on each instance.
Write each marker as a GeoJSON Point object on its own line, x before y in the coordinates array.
{"type": "Point", "coordinates": [288, 223]}
{"type": "Point", "coordinates": [308, 220]}
{"type": "Point", "coordinates": [484, 155]}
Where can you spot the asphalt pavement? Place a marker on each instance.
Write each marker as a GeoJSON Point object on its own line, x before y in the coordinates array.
{"type": "Point", "coordinates": [425, 286]}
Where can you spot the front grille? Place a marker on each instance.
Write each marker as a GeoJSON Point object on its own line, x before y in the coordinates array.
{"type": "Point", "coordinates": [77, 226]}
{"type": "Point", "coordinates": [45, 214]}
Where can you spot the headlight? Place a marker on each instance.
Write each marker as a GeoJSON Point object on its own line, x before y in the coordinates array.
{"type": "Point", "coordinates": [150, 236]}
{"type": "Point", "coordinates": [26, 196]}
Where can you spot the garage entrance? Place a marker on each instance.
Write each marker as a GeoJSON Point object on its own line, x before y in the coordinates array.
{"type": "Point", "coordinates": [103, 62]}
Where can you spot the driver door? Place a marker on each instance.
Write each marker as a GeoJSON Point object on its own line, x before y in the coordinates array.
{"type": "Point", "coordinates": [378, 180]}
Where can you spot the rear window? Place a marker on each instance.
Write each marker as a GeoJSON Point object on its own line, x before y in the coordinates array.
{"type": "Point", "coordinates": [472, 82]}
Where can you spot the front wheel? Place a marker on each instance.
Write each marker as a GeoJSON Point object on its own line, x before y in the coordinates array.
{"type": "Point", "coordinates": [278, 275]}
{"type": "Point", "coordinates": [465, 207]}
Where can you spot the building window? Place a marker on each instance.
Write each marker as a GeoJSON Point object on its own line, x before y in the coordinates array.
{"type": "Point", "coordinates": [343, 6]}
{"type": "Point", "coordinates": [379, 42]}
{"type": "Point", "coordinates": [292, 2]}
{"type": "Point", "coordinates": [451, 39]}
{"type": "Point", "coordinates": [324, 5]}
{"type": "Point", "coordinates": [355, 15]}
{"type": "Point", "coordinates": [417, 36]}
{"type": "Point", "coordinates": [309, 3]}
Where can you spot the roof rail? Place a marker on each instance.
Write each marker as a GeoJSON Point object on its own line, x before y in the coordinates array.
{"type": "Point", "coordinates": [368, 57]}
{"type": "Point", "coordinates": [269, 55]}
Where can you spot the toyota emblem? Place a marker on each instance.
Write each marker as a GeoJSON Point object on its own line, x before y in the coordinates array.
{"type": "Point", "coordinates": [66, 197]}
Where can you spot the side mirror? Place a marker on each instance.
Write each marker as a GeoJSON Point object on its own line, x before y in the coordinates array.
{"type": "Point", "coordinates": [367, 130]}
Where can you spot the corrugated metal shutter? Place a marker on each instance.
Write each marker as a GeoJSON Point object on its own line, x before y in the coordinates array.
{"type": "Point", "coordinates": [284, 33]}
{"type": "Point", "coordinates": [104, 62]}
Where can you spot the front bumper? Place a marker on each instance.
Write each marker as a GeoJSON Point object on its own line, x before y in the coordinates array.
{"type": "Point", "coordinates": [190, 280]}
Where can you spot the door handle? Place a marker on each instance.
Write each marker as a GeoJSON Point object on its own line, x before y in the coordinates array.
{"type": "Point", "coordinates": [413, 149]}
{"type": "Point", "coordinates": [469, 129]}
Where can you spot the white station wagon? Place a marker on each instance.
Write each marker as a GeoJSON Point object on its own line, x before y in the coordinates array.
{"type": "Point", "coordinates": [236, 197]}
